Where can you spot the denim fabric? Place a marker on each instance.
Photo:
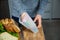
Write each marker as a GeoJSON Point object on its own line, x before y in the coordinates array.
{"type": "Point", "coordinates": [32, 7]}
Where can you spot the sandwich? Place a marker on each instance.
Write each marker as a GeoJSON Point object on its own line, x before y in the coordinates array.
{"type": "Point", "coordinates": [9, 30]}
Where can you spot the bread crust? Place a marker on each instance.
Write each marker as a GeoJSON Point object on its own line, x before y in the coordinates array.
{"type": "Point", "coordinates": [10, 25]}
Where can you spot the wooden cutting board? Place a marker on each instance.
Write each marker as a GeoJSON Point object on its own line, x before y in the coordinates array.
{"type": "Point", "coordinates": [28, 35]}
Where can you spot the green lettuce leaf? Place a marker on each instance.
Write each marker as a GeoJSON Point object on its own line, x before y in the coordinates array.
{"type": "Point", "coordinates": [3, 30]}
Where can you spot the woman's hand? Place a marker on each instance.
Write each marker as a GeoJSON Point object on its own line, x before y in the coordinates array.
{"type": "Point", "coordinates": [38, 20]}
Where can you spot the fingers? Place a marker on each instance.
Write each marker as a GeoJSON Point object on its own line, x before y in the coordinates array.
{"type": "Point", "coordinates": [39, 23]}
{"type": "Point", "coordinates": [22, 16]}
{"type": "Point", "coordinates": [39, 26]}
{"type": "Point", "coordinates": [35, 19]}
{"type": "Point", "coordinates": [38, 20]}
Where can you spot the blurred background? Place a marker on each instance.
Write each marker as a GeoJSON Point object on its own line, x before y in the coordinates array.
{"type": "Point", "coordinates": [50, 19]}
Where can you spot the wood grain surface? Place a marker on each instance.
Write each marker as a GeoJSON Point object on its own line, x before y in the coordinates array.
{"type": "Point", "coordinates": [28, 35]}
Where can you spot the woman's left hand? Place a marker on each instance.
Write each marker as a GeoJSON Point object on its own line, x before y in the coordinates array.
{"type": "Point", "coordinates": [38, 20]}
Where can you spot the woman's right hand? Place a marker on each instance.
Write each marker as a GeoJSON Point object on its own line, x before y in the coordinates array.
{"type": "Point", "coordinates": [22, 16]}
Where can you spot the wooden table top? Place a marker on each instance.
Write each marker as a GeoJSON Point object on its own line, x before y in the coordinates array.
{"type": "Point", "coordinates": [28, 35]}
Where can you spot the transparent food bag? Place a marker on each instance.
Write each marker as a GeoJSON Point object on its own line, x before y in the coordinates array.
{"type": "Point", "coordinates": [28, 23]}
